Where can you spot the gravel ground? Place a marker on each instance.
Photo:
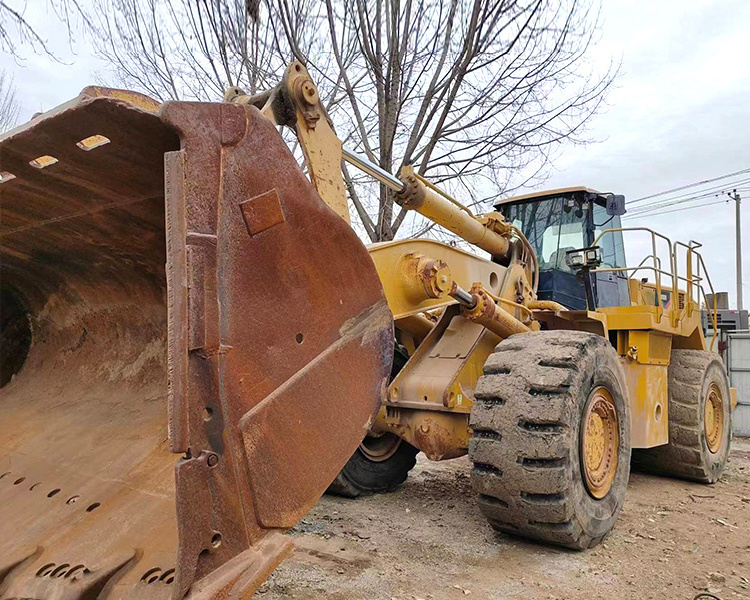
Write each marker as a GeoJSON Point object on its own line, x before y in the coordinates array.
{"type": "Point", "coordinates": [429, 541]}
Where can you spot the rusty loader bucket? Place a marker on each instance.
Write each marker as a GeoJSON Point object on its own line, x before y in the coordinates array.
{"type": "Point", "coordinates": [193, 345]}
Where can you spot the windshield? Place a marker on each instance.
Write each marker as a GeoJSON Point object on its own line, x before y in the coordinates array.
{"type": "Point", "coordinates": [550, 230]}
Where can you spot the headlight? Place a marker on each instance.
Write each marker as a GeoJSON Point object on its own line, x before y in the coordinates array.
{"type": "Point", "coordinates": [575, 259]}
{"type": "Point", "coordinates": [585, 257]}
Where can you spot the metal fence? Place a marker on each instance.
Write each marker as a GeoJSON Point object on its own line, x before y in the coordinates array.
{"type": "Point", "coordinates": [737, 360]}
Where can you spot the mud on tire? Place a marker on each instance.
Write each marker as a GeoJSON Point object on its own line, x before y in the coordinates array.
{"type": "Point", "coordinates": [526, 442]}
{"type": "Point", "coordinates": [687, 455]}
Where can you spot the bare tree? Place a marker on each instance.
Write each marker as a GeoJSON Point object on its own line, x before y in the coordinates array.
{"type": "Point", "coordinates": [17, 31]}
{"type": "Point", "coordinates": [479, 95]}
{"type": "Point", "coordinates": [190, 49]}
{"type": "Point", "coordinates": [473, 92]}
{"type": "Point", "coordinates": [9, 106]}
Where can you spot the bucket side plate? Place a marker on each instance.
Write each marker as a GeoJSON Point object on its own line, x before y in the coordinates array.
{"type": "Point", "coordinates": [260, 356]}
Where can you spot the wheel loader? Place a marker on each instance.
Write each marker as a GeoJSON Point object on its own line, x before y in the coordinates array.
{"type": "Point", "coordinates": [196, 345]}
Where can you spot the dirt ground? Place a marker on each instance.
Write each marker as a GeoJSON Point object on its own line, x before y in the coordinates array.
{"type": "Point", "coordinates": [429, 541]}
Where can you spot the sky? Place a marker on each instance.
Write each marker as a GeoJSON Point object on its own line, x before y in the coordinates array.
{"type": "Point", "coordinates": [680, 113]}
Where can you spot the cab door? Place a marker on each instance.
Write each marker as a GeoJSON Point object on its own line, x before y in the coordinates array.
{"type": "Point", "coordinates": [610, 289]}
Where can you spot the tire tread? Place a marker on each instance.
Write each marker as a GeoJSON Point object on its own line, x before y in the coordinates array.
{"type": "Point", "coordinates": [523, 478]}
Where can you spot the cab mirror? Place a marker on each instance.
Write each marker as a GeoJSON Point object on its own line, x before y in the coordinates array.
{"type": "Point", "coordinates": [615, 205]}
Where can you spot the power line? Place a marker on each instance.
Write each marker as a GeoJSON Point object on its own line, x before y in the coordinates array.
{"type": "Point", "coordinates": [665, 212]}
{"type": "Point", "coordinates": [690, 185]}
{"type": "Point", "coordinates": [696, 194]}
{"type": "Point", "coordinates": [658, 209]}
{"type": "Point", "coordinates": [654, 208]}
{"type": "Point", "coordinates": [651, 213]}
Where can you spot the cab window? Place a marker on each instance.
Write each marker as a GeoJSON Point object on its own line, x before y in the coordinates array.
{"type": "Point", "coordinates": [550, 229]}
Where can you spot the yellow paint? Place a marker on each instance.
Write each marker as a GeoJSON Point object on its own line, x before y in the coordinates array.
{"type": "Point", "coordinates": [647, 389]}
{"type": "Point", "coordinates": [713, 419]}
{"type": "Point", "coordinates": [322, 151]}
{"type": "Point", "coordinates": [92, 142]}
{"type": "Point", "coordinates": [651, 347]}
{"type": "Point", "coordinates": [439, 435]}
{"type": "Point", "coordinates": [676, 323]}
{"type": "Point", "coordinates": [447, 212]}
{"type": "Point", "coordinates": [320, 144]}
{"type": "Point", "coordinates": [40, 162]}
{"type": "Point", "coordinates": [548, 194]}
{"type": "Point", "coordinates": [390, 259]}
{"type": "Point", "coordinates": [445, 367]}
{"type": "Point", "coordinates": [579, 320]}
{"type": "Point", "coordinates": [600, 443]}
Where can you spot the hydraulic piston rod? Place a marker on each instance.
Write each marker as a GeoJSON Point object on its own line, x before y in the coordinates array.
{"type": "Point", "coordinates": [413, 194]}
{"type": "Point", "coordinates": [374, 170]}
{"type": "Point", "coordinates": [463, 297]}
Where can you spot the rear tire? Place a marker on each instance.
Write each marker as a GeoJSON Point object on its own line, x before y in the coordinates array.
{"type": "Point", "coordinates": [528, 424]}
{"type": "Point", "coordinates": [362, 476]}
{"type": "Point", "coordinates": [699, 439]}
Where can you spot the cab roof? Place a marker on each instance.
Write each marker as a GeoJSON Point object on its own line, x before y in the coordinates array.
{"type": "Point", "coordinates": [551, 193]}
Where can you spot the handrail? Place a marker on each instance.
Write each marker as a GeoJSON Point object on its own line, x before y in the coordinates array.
{"type": "Point", "coordinates": [658, 271]}
{"type": "Point", "coordinates": [714, 313]}
{"type": "Point", "coordinates": [692, 280]}
{"type": "Point", "coordinates": [696, 281]}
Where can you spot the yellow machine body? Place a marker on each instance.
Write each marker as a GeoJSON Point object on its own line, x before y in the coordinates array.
{"type": "Point", "coordinates": [428, 403]}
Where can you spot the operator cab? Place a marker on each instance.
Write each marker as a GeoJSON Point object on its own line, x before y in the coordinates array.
{"type": "Point", "coordinates": [558, 221]}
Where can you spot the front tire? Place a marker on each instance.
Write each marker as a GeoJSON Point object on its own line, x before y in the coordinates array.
{"type": "Point", "coordinates": [551, 442]}
{"type": "Point", "coordinates": [380, 464]}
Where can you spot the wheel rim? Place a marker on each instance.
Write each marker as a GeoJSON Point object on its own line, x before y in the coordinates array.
{"type": "Point", "coordinates": [378, 448]}
{"type": "Point", "coordinates": [713, 418]}
{"type": "Point", "coordinates": [600, 442]}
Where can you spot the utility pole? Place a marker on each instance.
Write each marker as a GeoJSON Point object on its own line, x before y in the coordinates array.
{"type": "Point", "coordinates": [738, 245]}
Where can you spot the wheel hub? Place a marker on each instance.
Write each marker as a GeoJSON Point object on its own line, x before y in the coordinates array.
{"type": "Point", "coordinates": [713, 418]}
{"type": "Point", "coordinates": [600, 442]}
{"type": "Point", "coordinates": [380, 447]}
